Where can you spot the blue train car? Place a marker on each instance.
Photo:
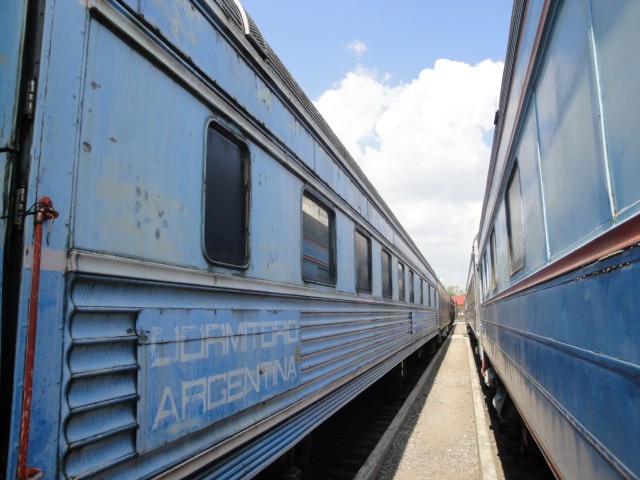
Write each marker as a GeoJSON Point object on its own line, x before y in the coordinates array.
{"type": "Point", "coordinates": [220, 277]}
{"type": "Point", "coordinates": [558, 264]}
{"type": "Point", "coordinates": [447, 311]}
{"type": "Point", "coordinates": [470, 302]}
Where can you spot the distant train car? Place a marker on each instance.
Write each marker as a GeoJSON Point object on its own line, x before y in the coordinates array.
{"type": "Point", "coordinates": [447, 311]}
{"type": "Point", "coordinates": [220, 277]}
{"type": "Point", "coordinates": [470, 305]}
{"type": "Point", "coordinates": [558, 264]}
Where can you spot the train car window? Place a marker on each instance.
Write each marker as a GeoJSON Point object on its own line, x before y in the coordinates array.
{"type": "Point", "coordinates": [363, 263]}
{"type": "Point", "coordinates": [225, 202]}
{"type": "Point", "coordinates": [412, 296]}
{"type": "Point", "coordinates": [400, 282]}
{"type": "Point", "coordinates": [494, 273]}
{"type": "Point", "coordinates": [486, 270]}
{"type": "Point", "coordinates": [421, 292]}
{"type": "Point", "coordinates": [515, 227]}
{"type": "Point", "coordinates": [318, 226]}
{"type": "Point", "coordinates": [485, 280]}
{"type": "Point", "coordinates": [386, 274]}
{"type": "Point", "coordinates": [429, 294]}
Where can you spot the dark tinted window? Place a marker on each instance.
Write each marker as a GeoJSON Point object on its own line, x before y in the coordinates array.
{"type": "Point", "coordinates": [485, 276]}
{"type": "Point", "coordinates": [515, 228]}
{"type": "Point", "coordinates": [386, 274]}
{"type": "Point", "coordinates": [401, 282]}
{"type": "Point", "coordinates": [363, 263]}
{"type": "Point", "coordinates": [421, 292]}
{"type": "Point", "coordinates": [317, 241]}
{"type": "Point", "coordinates": [412, 296]}
{"type": "Point", "coordinates": [225, 200]}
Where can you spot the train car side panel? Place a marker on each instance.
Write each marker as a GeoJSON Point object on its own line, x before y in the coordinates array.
{"type": "Point", "coordinates": [612, 28]}
{"type": "Point", "coordinates": [557, 251]}
{"type": "Point", "coordinates": [155, 355]}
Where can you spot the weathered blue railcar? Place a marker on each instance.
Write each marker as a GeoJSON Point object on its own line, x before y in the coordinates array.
{"type": "Point", "coordinates": [558, 259]}
{"type": "Point", "coordinates": [221, 277]}
{"type": "Point", "coordinates": [470, 303]}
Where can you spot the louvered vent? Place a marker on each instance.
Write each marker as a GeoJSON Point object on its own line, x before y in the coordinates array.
{"type": "Point", "coordinates": [102, 392]}
{"type": "Point", "coordinates": [257, 39]}
{"type": "Point", "coordinates": [231, 11]}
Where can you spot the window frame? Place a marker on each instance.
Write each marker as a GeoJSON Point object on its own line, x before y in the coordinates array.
{"type": "Point", "coordinates": [384, 252]}
{"type": "Point", "coordinates": [401, 287]}
{"type": "Point", "coordinates": [492, 256]}
{"type": "Point", "coordinates": [238, 141]}
{"type": "Point", "coordinates": [485, 275]}
{"type": "Point", "coordinates": [412, 290]}
{"type": "Point", "coordinates": [516, 263]}
{"type": "Point", "coordinates": [362, 234]}
{"type": "Point", "coordinates": [311, 195]}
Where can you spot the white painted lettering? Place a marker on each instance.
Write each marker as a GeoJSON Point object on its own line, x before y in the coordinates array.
{"type": "Point", "coordinates": [277, 367]}
{"type": "Point", "coordinates": [215, 340]}
{"type": "Point", "coordinates": [160, 351]}
{"type": "Point", "coordinates": [251, 381]}
{"type": "Point", "coordinates": [291, 372]}
{"type": "Point", "coordinates": [217, 382]}
{"type": "Point", "coordinates": [188, 345]}
{"type": "Point", "coordinates": [199, 394]}
{"type": "Point", "coordinates": [235, 383]}
{"type": "Point", "coordinates": [267, 335]}
{"type": "Point", "coordinates": [163, 412]}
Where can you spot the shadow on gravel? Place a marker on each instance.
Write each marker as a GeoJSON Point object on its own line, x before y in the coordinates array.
{"type": "Point", "coordinates": [337, 449]}
{"type": "Point", "coordinates": [409, 424]}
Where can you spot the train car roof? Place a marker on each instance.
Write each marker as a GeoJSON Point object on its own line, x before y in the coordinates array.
{"type": "Point", "coordinates": [507, 75]}
{"type": "Point", "coordinates": [245, 26]}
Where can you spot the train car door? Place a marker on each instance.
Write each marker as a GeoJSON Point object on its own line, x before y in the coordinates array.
{"type": "Point", "coordinates": [20, 28]}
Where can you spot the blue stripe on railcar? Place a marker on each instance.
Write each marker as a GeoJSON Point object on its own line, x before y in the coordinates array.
{"type": "Point", "coordinates": [561, 327]}
{"type": "Point", "coordinates": [586, 409]}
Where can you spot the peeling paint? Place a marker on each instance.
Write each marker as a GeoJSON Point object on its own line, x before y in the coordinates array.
{"type": "Point", "coordinates": [265, 95]}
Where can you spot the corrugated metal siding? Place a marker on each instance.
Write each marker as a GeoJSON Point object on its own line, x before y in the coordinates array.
{"type": "Point", "coordinates": [338, 340]}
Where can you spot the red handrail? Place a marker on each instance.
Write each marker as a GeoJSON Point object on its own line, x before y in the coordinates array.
{"type": "Point", "coordinates": [44, 212]}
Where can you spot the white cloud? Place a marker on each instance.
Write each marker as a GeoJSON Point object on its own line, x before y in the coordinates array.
{"type": "Point", "coordinates": [422, 145]}
{"type": "Point", "coordinates": [357, 46]}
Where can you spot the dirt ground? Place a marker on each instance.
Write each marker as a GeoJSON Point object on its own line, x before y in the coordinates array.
{"type": "Point", "coordinates": [438, 439]}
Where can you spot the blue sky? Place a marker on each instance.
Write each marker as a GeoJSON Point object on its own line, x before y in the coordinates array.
{"type": "Point", "coordinates": [402, 37]}
{"type": "Point", "coordinates": [410, 87]}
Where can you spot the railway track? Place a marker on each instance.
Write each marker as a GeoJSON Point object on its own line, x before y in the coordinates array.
{"type": "Point", "coordinates": [351, 439]}
{"type": "Point", "coordinates": [338, 448]}
{"type": "Point", "coordinates": [519, 456]}
{"type": "Point", "coordinates": [366, 420]}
